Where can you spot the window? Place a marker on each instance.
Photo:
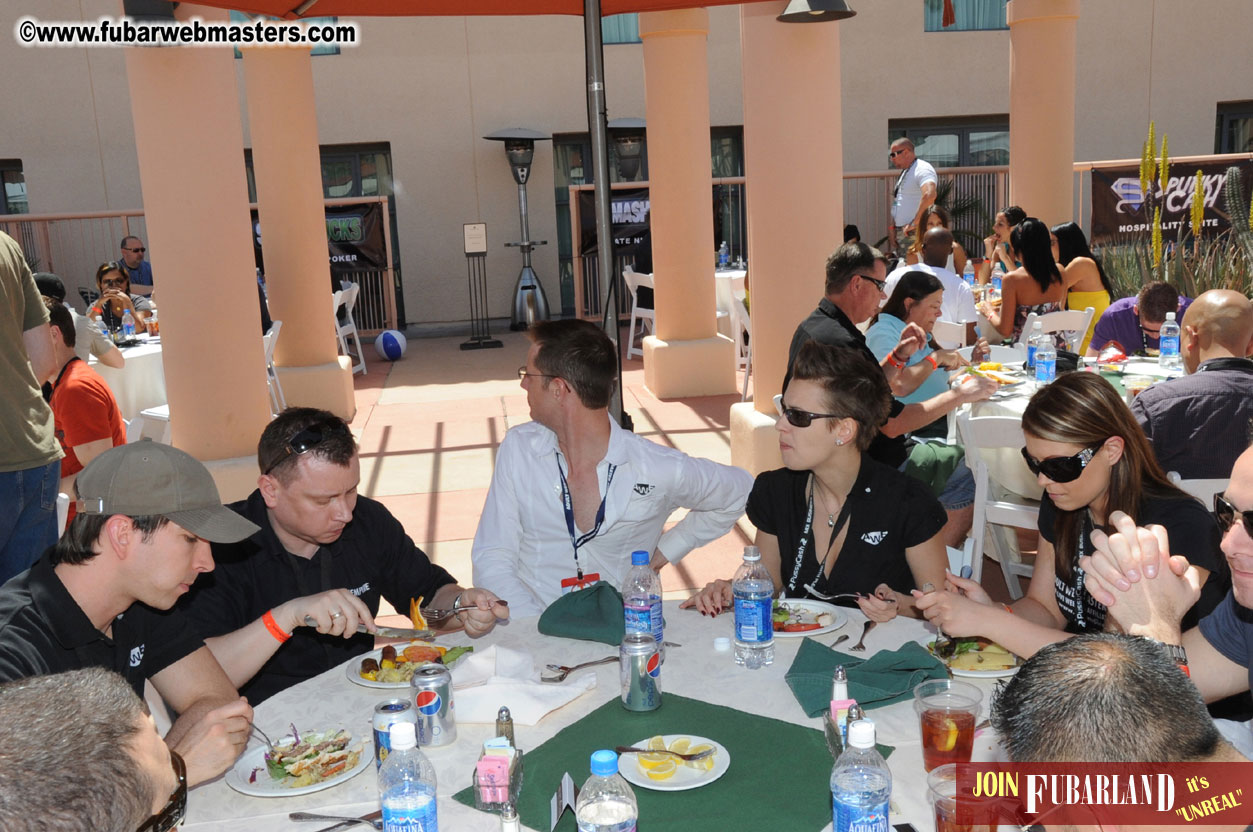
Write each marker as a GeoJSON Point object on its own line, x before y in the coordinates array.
{"type": "Point", "coordinates": [317, 49]}
{"type": "Point", "coordinates": [1234, 131]}
{"type": "Point", "coordinates": [956, 142]}
{"type": "Point", "coordinates": [972, 16]}
{"type": "Point", "coordinates": [14, 187]}
{"type": "Point", "coordinates": [620, 28]}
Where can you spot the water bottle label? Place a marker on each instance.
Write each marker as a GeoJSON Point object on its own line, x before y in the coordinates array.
{"type": "Point", "coordinates": [1045, 370]}
{"type": "Point", "coordinates": [1031, 348]}
{"type": "Point", "coordinates": [1170, 345]}
{"type": "Point", "coordinates": [859, 818]}
{"type": "Point", "coordinates": [644, 619]}
{"type": "Point", "coordinates": [752, 620]}
{"type": "Point", "coordinates": [420, 818]}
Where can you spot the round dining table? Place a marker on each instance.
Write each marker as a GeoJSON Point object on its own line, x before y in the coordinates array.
{"type": "Point", "coordinates": [140, 383]}
{"type": "Point", "coordinates": [692, 669]}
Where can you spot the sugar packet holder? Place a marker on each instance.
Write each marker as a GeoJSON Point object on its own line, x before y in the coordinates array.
{"type": "Point", "coordinates": [497, 776]}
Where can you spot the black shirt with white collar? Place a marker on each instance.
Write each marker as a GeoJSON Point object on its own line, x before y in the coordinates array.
{"type": "Point", "coordinates": [372, 558]}
{"type": "Point", "coordinates": [43, 630]}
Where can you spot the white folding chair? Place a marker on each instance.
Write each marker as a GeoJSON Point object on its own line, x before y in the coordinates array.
{"type": "Point", "coordinates": [156, 424]}
{"type": "Point", "coordinates": [949, 334]}
{"type": "Point", "coordinates": [1203, 490]}
{"type": "Point", "coordinates": [743, 327]}
{"type": "Point", "coordinates": [1071, 323]}
{"type": "Point", "coordinates": [992, 504]}
{"type": "Point", "coordinates": [348, 329]}
{"type": "Point", "coordinates": [134, 429]}
{"type": "Point", "coordinates": [278, 402]}
{"type": "Point", "coordinates": [63, 511]}
{"type": "Point", "coordinates": [634, 280]}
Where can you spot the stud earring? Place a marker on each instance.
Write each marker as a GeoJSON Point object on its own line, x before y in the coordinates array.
{"type": "Point", "coordinates": [839, 441]}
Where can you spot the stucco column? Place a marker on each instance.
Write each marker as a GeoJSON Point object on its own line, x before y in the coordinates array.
{"type": "Point", "coordinates": [286, 166]}
{"type": "Point", "coordinates": [686, 356]}
{"type": "Point", "coordinates": [794, 170]}
{"type": "Point", "coordinates": [1042, 107]}
{"type": "Point", "coordinates": [189, 140]}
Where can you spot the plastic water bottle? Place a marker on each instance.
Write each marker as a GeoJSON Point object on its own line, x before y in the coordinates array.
{"type": "Point", "coordinates": [1168, 342]}
{"type": "Point", "coordinates": [407, 784]}
{"type": "Point", "coordinates": [724, 255]}
{"type": "Point", "coordinates": [754, 628]}
{"type": "Point", "coordinates": [641, 600]}
{"type": "Point", "coordinates": [128, 325]}
{"type": "Point", "coordinates": [969, 274]}
{"type": "Point", "coordinates": [861, 784]}
{"type": "Point", "coordinates": [1033, 343]}
{"type": "Point", "coordinates": [1045, 361]}
{"type": "Point", "coordinates": [606, 802]}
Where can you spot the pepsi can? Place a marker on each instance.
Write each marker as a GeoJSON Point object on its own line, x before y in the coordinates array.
{"type": "Point", "coordinates": [387, 714]}
{"type": "Point", "coordinates": [432, 705]}
{"type": "Point", "coordinates": [639, 663]}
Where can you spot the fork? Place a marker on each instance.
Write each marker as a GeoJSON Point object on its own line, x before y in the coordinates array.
{"type": "Point", "coordinates": [268, 743]}
{"type": "Point", "coordinates": [434, 616]}
{"type": "Point", "coordinates": [562, 671]}
{"type": "Point", "coordinates": [861, 645]}
{"type": "Point", "coordinates": [377, 824]}
{"type": "Point", "coordinates": [699, 755]}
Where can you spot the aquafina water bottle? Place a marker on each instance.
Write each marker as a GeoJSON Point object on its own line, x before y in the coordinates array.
{"type": "Point", "coordinates": [861, 784]}
{"type": "Point", "coordinates": [754, 596]}
{"type": "Point", "coordinates": [724, 255]}
{"type": "Point", "coordinates": [128, 325]}
{"type": "Point", "coordinates": [1033, 344]}
{"type": "Point", "coordinates": [1045, 360]}
{"type": "Point", "coordinates": [407, 784]}
{"type": "Point", "coordinates": [606, 802]}
{"type": "Point", "coordinates": [641, 600]}
{"type": "Point", "coordinates": [1168, 342]}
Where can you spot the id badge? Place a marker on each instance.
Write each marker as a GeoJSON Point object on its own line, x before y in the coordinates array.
{"type": "Point", "coordinates": [575, 583]}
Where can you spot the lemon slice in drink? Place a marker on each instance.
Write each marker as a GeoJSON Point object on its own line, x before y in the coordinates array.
{"type": "Point", "coordinates": [680, 745]}
{"type": "Point", "coordinates": [705, 764]}
{"type": "Point", "coordinates": [652, 759]}
{"type": "Point", "coordinates": [662, 772]}
{"type": "Point", "coordinates": [948, 740]}
{"type": "Point", "coordinates": [657, 743]}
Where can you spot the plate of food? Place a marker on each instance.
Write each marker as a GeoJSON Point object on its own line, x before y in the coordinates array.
{"type": "Point", "coordinates": [995, 371]}
{"type": "Point", "coordinates": [978, 658]}
{"type": "Point", "coordinates": [797, 617]}
{"type": "Point", "coordinates": [392, 666]}
{"type": "Point", "coordinates": [302, 762]}
{"type": "Point", "coordinates": [667, 773]}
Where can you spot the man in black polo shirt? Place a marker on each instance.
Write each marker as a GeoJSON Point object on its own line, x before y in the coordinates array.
{"type": "Point", "coordinates": [322, 553]}
{"type": "Point", "coordinates": [141, 536]}
{"type": "Point", "coordinates": [856, 274]}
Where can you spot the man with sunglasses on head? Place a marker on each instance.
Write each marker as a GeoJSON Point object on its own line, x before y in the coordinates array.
{"type": "Point", "coordinates": [285, 604]}
{"type": "Point", "coordinates": [140, 539]}
{"type": "Point", "coordinates": [136, 267]}
{"type": "Point", "coordinates": [1147, 590]}
{"type": "Point", "coordinates": [82, 754]}
{"type": "Point", "coordinates": [573, 494]}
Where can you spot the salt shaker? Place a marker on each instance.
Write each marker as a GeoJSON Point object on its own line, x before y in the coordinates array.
{"type": "Point", "coordinates": [504, 725]}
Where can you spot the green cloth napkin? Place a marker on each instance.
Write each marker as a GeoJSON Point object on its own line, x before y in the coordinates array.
{"type": "Point", "coordinates": [885, 678]}
{"type": "Point", "coordinates": [933, 463]}
{"type": "Point", "coordinates": [592, 614]}
{"type": "Point", "coordinates": [785, 767]}
{"type": "Point", "coordinates": [1115, 379]}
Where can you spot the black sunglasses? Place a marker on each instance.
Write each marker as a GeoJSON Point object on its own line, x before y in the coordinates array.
{"type": "Point", "coordinates": [894, 153]}
{"type": "Point", "coordinates": [310, 438]}
{"type": "Point", "coordinates": [172, 815]}
{"type": "Point", "coordinates": [879, 284]}
{"type": "Point", "coordinates": [1225, 513]}
{"type": "Point", "coordinates": [803, 418]}
{"type": "Point", "coordinates": [1061, 468]}
{"type": "Point", "coordinates": [136, 250]}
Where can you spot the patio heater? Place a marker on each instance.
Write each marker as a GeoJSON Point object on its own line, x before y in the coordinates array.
{"type": "Point", "coordinates": [530, 306]}
{"type": "Point", "coordinates": [815, 11]}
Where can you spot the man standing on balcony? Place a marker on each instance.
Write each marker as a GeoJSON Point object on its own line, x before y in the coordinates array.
{"type": "Point", "coordinates": [137, 268]}
{"type": "Point", "coordinates": [914, 193]}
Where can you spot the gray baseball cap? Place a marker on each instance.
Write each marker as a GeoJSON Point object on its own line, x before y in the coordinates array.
{"type": "Point", "coordinates": [146, 478]}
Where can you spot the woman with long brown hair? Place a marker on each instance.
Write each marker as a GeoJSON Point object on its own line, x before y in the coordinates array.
{"type": "Point", "coordinates": [1092, 459]}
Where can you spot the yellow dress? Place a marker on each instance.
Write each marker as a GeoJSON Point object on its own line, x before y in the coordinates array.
{"type": "Point", "coordinates": [1099, 301]}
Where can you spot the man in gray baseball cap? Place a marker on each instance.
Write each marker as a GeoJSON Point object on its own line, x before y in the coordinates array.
{"type": "Point", "coordinates": [146, 515]}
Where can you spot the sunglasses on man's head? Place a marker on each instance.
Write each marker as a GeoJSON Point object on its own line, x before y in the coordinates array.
{"type": "Point", "coordinates": [1226, 514]}
{"type": "Point", "coordinates": [172, 815]}
{"type": "Point", "coordinates": [1061, 468]}
{"type": "Point", "coordinates": [309, 438]}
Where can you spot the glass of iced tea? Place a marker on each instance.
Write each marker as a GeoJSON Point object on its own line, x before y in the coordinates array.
{"type": "Point", "coordinates": [942, 792]}
{"type": "Point", "coordinates": [947, 711]}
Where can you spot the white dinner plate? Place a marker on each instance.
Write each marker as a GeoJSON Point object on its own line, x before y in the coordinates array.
{"type": "Point", "coordinates": [814, 607]}
{"type": "Point", "coordinates": [353, 668]}
{"type": "Point", "coordinates": [266, 786]}
{"type": "Point", "coordinates": [685, 778]}
{"type": "Point", "coordinates": [985, 674]}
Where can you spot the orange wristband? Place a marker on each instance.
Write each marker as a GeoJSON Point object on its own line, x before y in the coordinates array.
{"type": "Point", "coordinates": [893, 361]}
{"type": "Point", "coordinates": [935, 365]}
{"type": "Point", "coordinates": [1008, 608]}
{"type": "Point", "coordinates": [272, 626]}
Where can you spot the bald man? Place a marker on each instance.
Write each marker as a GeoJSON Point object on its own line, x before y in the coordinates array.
{"type": "Point", "coordinates": [1200, 422]}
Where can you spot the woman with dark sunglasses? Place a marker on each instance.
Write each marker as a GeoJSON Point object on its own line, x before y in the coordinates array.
{"type": "Point", "coordinates": [1092, 459]}
{"type": "Point", "coordinates": [835, 522]}
{"type": "Point", "coordinates": [116, 298]}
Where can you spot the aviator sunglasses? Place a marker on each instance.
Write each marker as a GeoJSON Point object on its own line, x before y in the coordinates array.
{"type": "Point", "coordinates": [1226, 514]}
{"type": "Point", "coordinates": [1061, 468]}
{"type": "Point", "coordinates": [798, 418]}
{"type": "Point", "coordinates": [309, 438]}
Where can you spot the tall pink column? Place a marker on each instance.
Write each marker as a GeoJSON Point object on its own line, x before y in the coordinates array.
{"type": "Point", "coordinates": [794, 170]}
{"type": "Point", "coordinates": [1042, 45]}
{"type": "Point", "coordinates": [686, 356]}
{"type": "Point", "coordinates": [189, 140]}
{"type": "Point", "coordinates": [286, 164]}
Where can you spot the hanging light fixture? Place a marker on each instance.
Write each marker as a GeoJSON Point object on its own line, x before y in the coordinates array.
{"type": "Point", "coordinates": [815, 11]}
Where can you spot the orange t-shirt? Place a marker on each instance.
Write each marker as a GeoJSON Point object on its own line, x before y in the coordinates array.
{"type": "Point", "coordinates": [84, 410]}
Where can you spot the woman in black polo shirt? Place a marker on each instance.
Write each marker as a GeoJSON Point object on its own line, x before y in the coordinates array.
{"type": "Point", "coordinates": [835, 521]}
{"type": "Point", "coordinates": [1092, 459]}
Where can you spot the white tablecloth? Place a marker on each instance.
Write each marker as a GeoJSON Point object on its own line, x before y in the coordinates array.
{"type": "Point", "coordinates": [726, 282]}
{"type": "Point", "coordinates": [140, 384]}
{"type": "Point", "coordinates": [693, 670]}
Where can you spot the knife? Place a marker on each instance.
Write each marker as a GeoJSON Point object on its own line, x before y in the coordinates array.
{"type": "Point", "coordinates": [386, 632]}
{"type": "Point", "coordinates": [348, 824]}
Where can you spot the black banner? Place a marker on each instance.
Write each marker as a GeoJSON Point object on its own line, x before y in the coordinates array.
{"type": "Point", "coordinates": [354, 238]}
{"type": "Point", "coordinates": [630, 213]}
{"type": "Point", "coordinates": [1119, 210]}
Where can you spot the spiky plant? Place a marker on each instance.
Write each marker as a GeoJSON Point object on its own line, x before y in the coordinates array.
{"type": "Point", "coordinates": [1164, 166]}
{"type": "Point", "coordinates": [1198, 204]}
{"type": "Point", "coordinates": [1157, 239]}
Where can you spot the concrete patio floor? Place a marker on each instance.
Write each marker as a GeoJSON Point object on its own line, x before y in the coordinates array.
{"type": "Point", "coordinates": [429, 426]}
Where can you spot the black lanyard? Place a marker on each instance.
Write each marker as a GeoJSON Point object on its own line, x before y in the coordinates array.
{"type": "Point", "coordinates": [804, 540]}
{"type": "Point", "coordinates": [567, 504]}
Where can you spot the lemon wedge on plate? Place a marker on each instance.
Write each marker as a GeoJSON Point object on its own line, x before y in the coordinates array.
{"type": "Point", "coordinates": [705, 764]}
{"type": "Point", "coordinates": [664, 771]}
{"type": "Point", "coordinates": [657, 743]}
{"type": "Point", "coordinates": [680, 745]}
{"type": "Point", "coordinates": [652, 759]}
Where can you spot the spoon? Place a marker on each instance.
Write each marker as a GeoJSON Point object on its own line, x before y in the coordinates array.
{"type": "Point", "coordinates": [840, 640]}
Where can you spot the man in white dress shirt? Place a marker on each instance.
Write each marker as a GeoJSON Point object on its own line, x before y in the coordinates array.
{"type": "Point", "coordinates": [573, 494]}
{"type": "Point", "coordinates": [959, 301]}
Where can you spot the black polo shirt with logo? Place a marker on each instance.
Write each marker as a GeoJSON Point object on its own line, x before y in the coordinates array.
{"type": "Point", "coordinates": [373, 558]}
{"type": "Point", "coordinates": [43, 630]}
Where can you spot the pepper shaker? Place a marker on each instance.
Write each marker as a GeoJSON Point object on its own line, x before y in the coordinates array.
{"type": "Point", "coordinates": [504, 725]}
